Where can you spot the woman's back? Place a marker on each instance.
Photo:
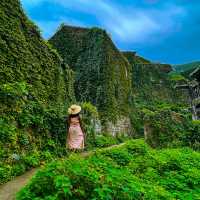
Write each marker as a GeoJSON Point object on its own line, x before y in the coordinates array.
{"type": "Point", "coordinates": [75, 133]}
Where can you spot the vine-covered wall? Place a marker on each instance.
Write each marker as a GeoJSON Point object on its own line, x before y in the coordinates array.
{"type": "Point", "coordinates": [24, 55]}
{"type": "Point", "coordinates": [35, 89]}
{"type": "Point", "coordinates": [102, 73]}
{"type": "Point", "coordinates": [151, 82]}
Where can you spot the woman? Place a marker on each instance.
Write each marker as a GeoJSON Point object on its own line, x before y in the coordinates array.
{"type": "Point", "coordinates": [75, 137]}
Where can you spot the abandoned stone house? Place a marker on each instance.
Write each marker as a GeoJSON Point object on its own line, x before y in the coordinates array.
{"type": "Point", "coordinates": [195, 75]}
{"type": "Point", "coordinates": [193, 88]}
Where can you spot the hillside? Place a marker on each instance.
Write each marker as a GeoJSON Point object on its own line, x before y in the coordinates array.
{"type": "Point", "coordinates": [102, 73]}
{"type": "Point", "coordinates": [186, 67]}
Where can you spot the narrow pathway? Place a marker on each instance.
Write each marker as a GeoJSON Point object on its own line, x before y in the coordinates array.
{"type": "Point", "coordinates": [9, 190]}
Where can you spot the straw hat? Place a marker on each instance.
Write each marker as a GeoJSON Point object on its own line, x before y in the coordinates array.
{"type": "Point", "coordinates": [74, 109]}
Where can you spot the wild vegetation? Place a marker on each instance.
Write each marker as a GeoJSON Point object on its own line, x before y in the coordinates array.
{"type": "Point", "coordinates": [35, 90]}
{"type": "Point", "coordinates": [31, 134]}
{"type": "Point", "coordinates": [37, 85]}
{"type": "Point", "coordinates": [130, 171]}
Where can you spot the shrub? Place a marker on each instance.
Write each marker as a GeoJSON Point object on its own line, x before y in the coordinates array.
{"type": "Point", "coordinates": [8, 132]}
{"type": "Point", "coordinates": [129, 171]}
{"type": "Point", "coordinates": [105, 140]}
{"type": "Point", "coordinates": [89, 118]}
{"type": "Point", "coordinates": [167, 128]}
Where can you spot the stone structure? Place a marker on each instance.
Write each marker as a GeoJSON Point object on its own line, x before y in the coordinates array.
{"type": "Point", "coordinates": [122, 126]}
{"type": "Point", "coordinates": [196, 93]}
{"type": "Point", "coordinates": [193, 88]}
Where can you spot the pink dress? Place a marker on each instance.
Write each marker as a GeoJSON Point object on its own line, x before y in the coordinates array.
{"type": "Point", "coordinates": [76, 136]}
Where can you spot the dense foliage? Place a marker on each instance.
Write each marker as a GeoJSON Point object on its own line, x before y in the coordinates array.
{"type": "Point", "coordinates": [102, 72]}
{"type": "Point", "coordinates": [32, 134]}
{"type": "Point", "coordinates": [29, 132]}
{"type": "Point", "coordinates": [25, 56]}
{"type": "Point", "coordinates": [130, 171]}
{"type": "Point", "coordinates": [35, 90]}
{"type": "Point", "coordinates": [151, 82]}
{"type": "Point", "coordinates": [156, 100]}
{"type": "Point", "coordinates": [170, 126]}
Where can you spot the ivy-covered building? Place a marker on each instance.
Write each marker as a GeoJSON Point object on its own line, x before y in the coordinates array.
{"type": "Point", "coordinates": [102, 73]}
{"type": "Point", "coordinates": [150, 81]}
{"type": "Point", "coordinates": [192, 86]}
{"type": "Point", "coordinates": [26, 56]}
{"type": "Point", "coordinates": [195, 92]}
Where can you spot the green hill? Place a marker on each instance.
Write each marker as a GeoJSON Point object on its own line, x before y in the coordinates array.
{"type": "Point", "coordinates": [187, 67]}
{"type": "Point", "coordinates": [102, 72]}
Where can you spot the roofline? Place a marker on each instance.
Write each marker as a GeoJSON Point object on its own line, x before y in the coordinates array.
{"type": "Point", "coordinates": [195, 71]}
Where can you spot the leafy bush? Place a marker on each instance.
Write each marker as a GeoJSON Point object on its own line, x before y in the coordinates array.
{"type": "Point", "coordinates": [192, 138]}
{"type": "Point", "coordinates": [29, 131]}
{"type": "Point", "coordinates": [105, 140]}
{"type": "Point", "coordinates": [8, 132]}
{"type": "Point", "coordinates": [89, 118]}
{"type": "Point", "coordinates": [129, 171]}
{"type": "Point", "coordinates": [165, 127]}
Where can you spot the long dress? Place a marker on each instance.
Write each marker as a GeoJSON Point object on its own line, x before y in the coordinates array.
{"type": "Point", "coordinates": [76, 135]}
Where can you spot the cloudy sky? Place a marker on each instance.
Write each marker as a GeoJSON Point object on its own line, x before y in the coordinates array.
{"type": "Point", "coordinates": [166, 31]}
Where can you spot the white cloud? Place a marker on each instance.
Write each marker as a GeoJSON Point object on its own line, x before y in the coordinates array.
{"type": "Point", "coordinates": [134, 24]}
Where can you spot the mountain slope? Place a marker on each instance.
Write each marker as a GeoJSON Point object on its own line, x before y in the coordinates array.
{"type": "Point", "coordinates": [102, 72]}
{"type": "Point", "coordinates": [187, 67]}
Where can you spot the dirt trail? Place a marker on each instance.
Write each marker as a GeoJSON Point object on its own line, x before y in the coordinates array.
{"type": "Point", "coordinates": [9, 190]}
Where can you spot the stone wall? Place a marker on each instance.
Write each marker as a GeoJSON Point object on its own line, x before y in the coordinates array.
{"type": "Point", "coordinates": [122, 126]}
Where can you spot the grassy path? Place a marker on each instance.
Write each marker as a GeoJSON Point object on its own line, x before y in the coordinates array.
{"type": "Point", "coordinates": [8, 190]}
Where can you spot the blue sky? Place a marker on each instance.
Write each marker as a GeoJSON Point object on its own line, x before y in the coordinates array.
{"type": "Point", "coordinates": [165, 31]}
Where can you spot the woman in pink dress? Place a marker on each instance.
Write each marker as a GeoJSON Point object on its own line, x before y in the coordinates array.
{"type": "Point", "coordinates": [75, 137]}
